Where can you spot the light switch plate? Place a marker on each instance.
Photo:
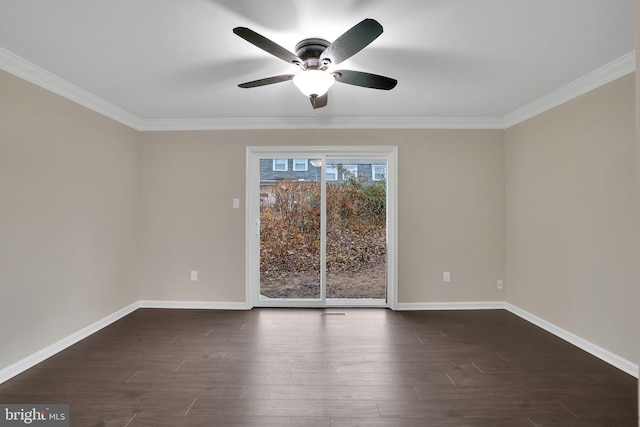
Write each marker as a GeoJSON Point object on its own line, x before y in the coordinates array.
{"type": "Point", "coordinates": [236, 203]}
{"type": "Point", "coordinates": [194, 276]}
{"type": "Point", "coordinates": [446, 276]}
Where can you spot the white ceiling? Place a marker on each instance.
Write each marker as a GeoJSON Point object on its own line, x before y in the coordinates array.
{"type": "Point", "coordinates": [162, 64]}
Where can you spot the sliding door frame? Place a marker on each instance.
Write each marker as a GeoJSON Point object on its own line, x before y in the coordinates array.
{"type": "Point", "coordinates": [252, 215]}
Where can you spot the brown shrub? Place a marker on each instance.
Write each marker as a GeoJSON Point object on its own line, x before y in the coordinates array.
{"type": "Point", "coordinates": [290, 227]}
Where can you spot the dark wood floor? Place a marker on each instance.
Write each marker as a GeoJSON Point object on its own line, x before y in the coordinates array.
{"type": "Point", "coordinates": [306, 367]}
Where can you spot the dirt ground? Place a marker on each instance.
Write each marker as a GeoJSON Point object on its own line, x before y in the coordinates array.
{"type": "Point", "coordinates": [367, 284]}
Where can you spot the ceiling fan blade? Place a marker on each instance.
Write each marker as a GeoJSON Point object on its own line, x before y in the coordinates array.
{"type": "Point", "coordinates": [267, 81]}
{"type": "Point", "coordinates": [267, 45]}
{"type": "Point", "coordinates": [352, 42]}
{"type": "Point", "coordinates": [319, 101]}
{"type": "Point", "coordinates": [358, 78]}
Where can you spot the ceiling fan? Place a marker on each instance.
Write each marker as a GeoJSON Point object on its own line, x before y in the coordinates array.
{"type": "Point", "coordinates": [315, 57]}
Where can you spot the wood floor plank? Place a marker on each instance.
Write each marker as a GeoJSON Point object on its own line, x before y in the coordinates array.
{"type": "Point", "coordinates": [258, 367]}
{"type": "Point", "coordinates": [330, 392]}
{"type": "Point", "coordinates": [287, 408]}
{"type": "Point", "coordinates": [147, 420]}
{"type": "Point", "coordinates": [297, 356]}
{"type": "Point", "coordinates": [346, 379]}
{"type": "Point", "coordinates": [430, 422]}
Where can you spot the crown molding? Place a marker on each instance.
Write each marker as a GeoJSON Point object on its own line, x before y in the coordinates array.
{"type": "Point", "coordinates": [322, 123]}
{"type": "Point", "coordinates": [30, 72]}
{"type": "Point", "coordinates": [618, 68]}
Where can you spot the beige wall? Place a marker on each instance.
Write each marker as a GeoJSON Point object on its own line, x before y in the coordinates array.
{"type": "Point", "coordinates": [451, 210]}
{"type": "Point", "coordinates": [570, 203]}
{"type": "Point", "coordinates": [68, 212]}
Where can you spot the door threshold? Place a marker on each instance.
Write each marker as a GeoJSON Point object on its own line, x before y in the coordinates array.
{"type": "Point", "coordinates": [317, 303]}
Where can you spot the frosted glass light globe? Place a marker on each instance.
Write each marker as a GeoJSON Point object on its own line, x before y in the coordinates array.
{"type": "Point", "coordinates": [314, 82]}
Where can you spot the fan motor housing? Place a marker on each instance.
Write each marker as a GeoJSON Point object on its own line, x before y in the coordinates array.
{"type": "Point", "coordinates": [309, 50]}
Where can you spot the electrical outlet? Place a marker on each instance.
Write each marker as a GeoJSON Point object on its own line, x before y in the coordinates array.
{"type": "Point", "coordinates": [500, 284]}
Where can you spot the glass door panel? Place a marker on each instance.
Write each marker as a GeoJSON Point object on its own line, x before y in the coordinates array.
{"type": "Point", "coordinates": [290, 229]}
{"type": "Point", "coordinates": [356, 237]}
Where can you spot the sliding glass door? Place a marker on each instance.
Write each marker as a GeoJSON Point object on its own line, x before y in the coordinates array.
{"type": "Point", "coordinates": [290, 226]}
{"type": "Point", "coordinates": [356, 237]}
{"type": "Point", "coordinates": [318, 227]}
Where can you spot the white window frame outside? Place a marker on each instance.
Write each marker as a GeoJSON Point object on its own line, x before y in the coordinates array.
{"type": "Point", "coordinates": [286, 165]}
{"type": "Point", "coordinates": [373, 172]}
{"type": "Point", "coordinates": [351, 171]}
{"type": "Point", "coordinates": [333, 174]}
{"type": "Point", "coordinates": [300, 168]}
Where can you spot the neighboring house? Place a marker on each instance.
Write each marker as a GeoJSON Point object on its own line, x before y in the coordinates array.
{"type": "Point", "coordinates": [338, 172]}
{"type": "Point", "coordinates": [272, 170]}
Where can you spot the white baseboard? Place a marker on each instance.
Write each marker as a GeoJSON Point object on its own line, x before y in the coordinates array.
{"type": "Point", "coordinates": [197, 305]}
{"type": "Point", "coordinates": [591, 348]}
{"type": "Point", "coordinates": [32, 360]}
{"type": "Point", "coordinates": [482, 305]}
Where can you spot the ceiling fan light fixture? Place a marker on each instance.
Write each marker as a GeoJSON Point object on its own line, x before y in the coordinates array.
{"type": "Point", "coordinates": [315, 55]}
{"type": "Point", "coordinates": [314, 82]}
